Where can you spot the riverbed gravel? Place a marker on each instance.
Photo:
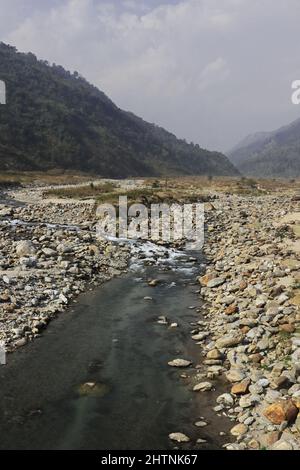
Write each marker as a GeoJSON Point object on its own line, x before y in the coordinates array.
{"type": "Point", "coordinates": [251, 301]}
{"type": "Point", "coordinates": [48, 255]}
{"type": "Point", "coordinates": [249, 331]}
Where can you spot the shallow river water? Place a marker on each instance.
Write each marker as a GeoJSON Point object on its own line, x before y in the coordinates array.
{"type": "Point", "coordinates": [109, 337]}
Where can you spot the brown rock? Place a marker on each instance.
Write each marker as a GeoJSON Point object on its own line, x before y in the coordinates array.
{"type": "Point", "coordinates": [243, 285]}
{"type": "Point", "coordinates": [9, 308]}
{"type": "Point", "coordinates": [296, 300]}
{"type": "Point", "coordinates": [240, 388]}
{"type": "Point", "coordinates": [239, 430]}
{"type": "Point", "coordinates": [229, 340]}
{"type": "Point", "coordinates": [281, 381]}
{"type": "Point", "coordinates": [245, 329]}
{"type": "Point", "coordinates": [214, 354]}
{"type": "Point", "coordinates": [277, 369]}
{"type": "Point", "coordinates": [296, 402]}
{"type": "Point", "coordinates": [283, 410]}
{"type": "Point", "coordinates": [204, 280]}
{"type": "Point", "coordinates": [253, 444]}
{"type": "Point", "coordinates": [256, 358]}
{"type": "Point", "coordinates": [94, 250]}
{"type": "Point", "coordinates": [209, 206]}
{"type": "Point", "coordinates": [268, 439]}
{"type": "Point", "coordinates": [297, 423]}
{"type": "Point", "coordinates": [4, 297]}
{"type": "Point", "coordinates": [282, 445]}
{"type": "Point", "coordinates": [276, 291]}
{"type": "Point", "coordinates": [287, 328]}
{"type": "Point", "coordinates": [233, 308]}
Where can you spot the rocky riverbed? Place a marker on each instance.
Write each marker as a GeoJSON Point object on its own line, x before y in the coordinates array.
{"type": "Point", "coordinates": [44, 265]}
{"type": "Point", "coordinates": [251, 332]}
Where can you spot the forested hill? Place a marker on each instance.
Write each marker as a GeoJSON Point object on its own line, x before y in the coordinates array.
{"type": "Point", "coordinates": [57, 120]}
{"type": "Point", "coordinates": [270, 154]}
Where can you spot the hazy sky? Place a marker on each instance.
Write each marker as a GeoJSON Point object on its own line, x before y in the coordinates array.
{"type": "Point", "coordinates": [211, 71]}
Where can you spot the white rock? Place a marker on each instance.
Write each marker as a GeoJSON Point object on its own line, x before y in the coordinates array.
{"type": "Point", "coordinates": [201, 441]}
{"type": "Point", "coordinates": [225, 399]}
{"type": "Point", "coordinates": [218, 281]}
{"type": "Point", "coordinates": [179, 363]}
{"type": "Point", "coordinates": [6, 279]}
{"type": "Point", "coordinates": [282, 299]}
{"type": "Point", "coordinates": [203, 387]}
{"type": "Point", "coordinates": [49, 252]}
{"type": "Point", "coordinates": [63, 299]}
{"type": "Point", "coordinates": [235, 375]}
{"type": "Point", "coordinates": [248, 400]}
{"type": "Point", "coordinates": [282, 445]}
{"type": "Point", "coordinates": [263, 382]}
{"type": "Point", "coordinates": [25, 248]}
{"type": "Point", "coordinates": [179, 437]}
{"type": "Point", "coordinates": [200, 424]}
{"type": "Point", "coordinates": [200, 336]}
{"type": "Point", "coordinates": [261, 301]}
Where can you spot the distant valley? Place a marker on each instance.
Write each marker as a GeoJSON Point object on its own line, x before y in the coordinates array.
{"type": "Point", "coordinates": [270, 154]}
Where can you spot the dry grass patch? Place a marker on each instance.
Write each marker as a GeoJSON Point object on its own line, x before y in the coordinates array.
{"type": "Point", "coordinates": [88, 191]}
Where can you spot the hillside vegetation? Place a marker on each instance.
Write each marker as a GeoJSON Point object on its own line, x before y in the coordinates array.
{"type": "Point", "coordinates": [57, 120]}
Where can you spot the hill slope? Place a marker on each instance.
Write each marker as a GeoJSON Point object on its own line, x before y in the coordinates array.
{"type": "Point", "coordinates": [270, 154]}
{"type": "Point", "coordinates": [55, 119]}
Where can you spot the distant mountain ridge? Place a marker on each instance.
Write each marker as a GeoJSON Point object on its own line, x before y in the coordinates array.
{"type": "Point", "coordinates": [270, 154]}
{"type": "Point", "coordinates": [57, 120]}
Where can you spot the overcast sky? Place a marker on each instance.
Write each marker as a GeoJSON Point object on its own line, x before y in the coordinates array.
{"type": "Point", "coordinates": [211, 71]}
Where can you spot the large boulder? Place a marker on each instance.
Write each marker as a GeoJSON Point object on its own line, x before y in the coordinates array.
{"type": "Point", "coordinates": [229, 340]}
{"type": "Point", "coordinates": [5, 211]}
{"type": "Point", "coordinates": [25, 248]}
{"type": "Point", "coordinates": [282, 410]}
